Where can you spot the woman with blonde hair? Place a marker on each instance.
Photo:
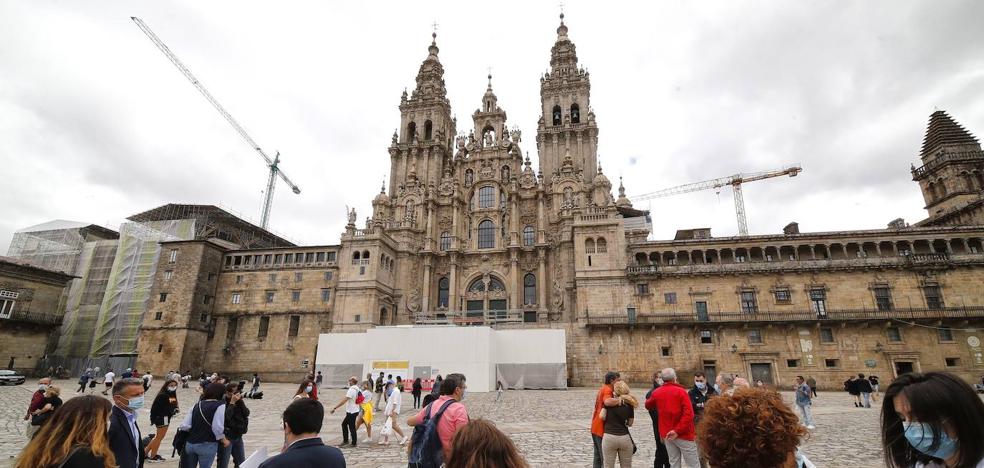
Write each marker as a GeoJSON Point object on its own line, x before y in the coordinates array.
{"type": "Point", "coordinates": [618, 420]}
{"type": "Point", "coordinates": [49, 404]}
{"type": "Point", "coordinates": [479, 444]}
{"type": "Point", "coordinates": [74, 437]}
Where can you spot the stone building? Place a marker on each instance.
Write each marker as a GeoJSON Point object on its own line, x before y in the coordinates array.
{"type": "Point", "coordinates": [467, 231]}
{"type": "Point", "coordinates": [32, 305]}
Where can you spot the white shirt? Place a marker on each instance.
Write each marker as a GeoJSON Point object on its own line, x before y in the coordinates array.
{"type": "Point", "coordinates": [352, 393]}
{"type": "Point", "coordinates": [109, 377]}
{"type": "Point", "coordinates": [394, 402]}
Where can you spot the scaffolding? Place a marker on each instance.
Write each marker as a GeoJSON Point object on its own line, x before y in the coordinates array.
{"type": "Point", "coordinates": [85, 298]}
{"type": "Point", "coordinates": [53, 246]}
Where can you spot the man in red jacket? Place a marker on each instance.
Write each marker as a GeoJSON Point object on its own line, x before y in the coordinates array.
{"type": "Point", "coordinates": [676, 420]}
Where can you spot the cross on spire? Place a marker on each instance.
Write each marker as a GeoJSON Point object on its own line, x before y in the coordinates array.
{"type": "Point", "coordinates": [561, 5]}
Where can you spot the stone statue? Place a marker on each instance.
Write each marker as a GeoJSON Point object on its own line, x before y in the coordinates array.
{"type": "Point", "coordinates": [471, 141]}
{"type": "Point", "coordinates": [413, 301]}
{"type": "Point", "coordinates": [558, 293]}
{"type": "Point", "coordinates": [488, 139]}
{"type": "Point", "coordinates": [352, 216]}
{"type": "Point", "coordinates": [469, 177]}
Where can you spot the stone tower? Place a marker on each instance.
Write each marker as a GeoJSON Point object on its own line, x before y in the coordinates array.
{"type": "Point", "coordinates": [953, 164]}
{"type": "Point", "coordinates": [567, 124]}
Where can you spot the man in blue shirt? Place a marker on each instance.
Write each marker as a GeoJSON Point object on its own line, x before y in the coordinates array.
{"type": "Point", "coordinates": [804, 401]}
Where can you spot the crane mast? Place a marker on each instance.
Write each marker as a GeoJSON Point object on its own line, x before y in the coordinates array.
{"type": "Point", "coordinates": [734, 181]}
{"type": "Point", "coordinates": [273, 164]}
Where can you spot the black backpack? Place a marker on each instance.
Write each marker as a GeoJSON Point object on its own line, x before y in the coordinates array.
{"type": "Point", "coordinates": [426, 450]}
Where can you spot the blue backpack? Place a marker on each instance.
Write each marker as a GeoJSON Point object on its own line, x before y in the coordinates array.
{"type": "Point", "coordinates": [426, 450]}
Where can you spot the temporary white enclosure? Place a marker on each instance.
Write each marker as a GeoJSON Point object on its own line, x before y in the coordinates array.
{"type": "Point", "coordinates": [520, 359]}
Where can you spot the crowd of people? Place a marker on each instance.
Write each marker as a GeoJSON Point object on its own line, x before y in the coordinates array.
{"type": "Point", "coordinates": [931, 420]}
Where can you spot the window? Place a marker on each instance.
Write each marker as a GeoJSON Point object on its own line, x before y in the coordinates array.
{"type": "Point", "coordinates": [706, 337]}
{"type": "Point", "coordinates": [934, 301]}
{"type": "Point", "coordinates": [325, 295]}
{"type": "Point", "coordinates": [445, 244]}
{"type": "Point", "coordinates": [748, 303]}
{"type": "Point", "coordinates": [428, 129]}
{"type": "Point", "coordinates": [264, 327]}
{"type": "Point", "coordinates": [443, 287]}
{"type": "Point", "coordinates": [945, 334]}
{"type": "Point", "coordinates": [173, 256]}
{"type": "Point", "coordinates": [826, 335]}
{"type": "Point", "coordinates": [163, 297]}
{"type": "Point", "coordinates": [160, 348]}
{"type": "Point", "coordinates": [203, 317]}
{"type": "Point", "coordinates": [273, 277]}
{"type": "Point", "coordinates": [295, 325]}
{"type": "Point", "coordinates": [783, 296]}
{"type": "Point", "coordinates": [792, 363]}
{"type": "Point", "coordinates": [278, 258]}
{"type": "Point", "coordinates": [529, 289]}
{"type": "Point", "coordinates": [755, 336]}
{"type": "Point", "coordinates": [268, 259]}
{"type": "Point", "coordinates": [556, 115]}
{"type": "Point", "coordinates": [232, 329]}
{"type": "Point", "coordinates": [952, 362]}
{"type": "Point", "coordinates": [477, 286]}
{"type": "Point", "coordinates": [239, 279]}
{"type": "Point", "coordinates": [207, 299]}
{"type": "Point", "coordinates": [831, 362]}
{"type": "Point", "coordinates": [740, 258]}
{"type": "Point", "coordinates": [299, 258]}
{"type": "Point", "coordinates": [331, 257]}
{"type": "Point", "coordinates": [168, 274]}
{"type": "Point", "coordinates": [158, 315]}
{"type": "Point", "coordinates": [358, 317]}
{"type": "Point", "coordinates": [486, 197]}
{"type": "Point", "coordinates": [642, 289]}
{"type": "Point", "coordinates": [883, 298]}
{"type": "Point", "coordinates": [309, 257]}
{"type": "Point", "coordinates": [768, 257]}
{"type": "Point", "coordinates": [269, 297]}
{"type": "Point", "coordinates": [496, 285]}
{"type": "Point", "coordinates": [288, 258]}
{"type": "Point", "coordinates": [328, 275]}
{"type": "Point", "coordinates": [211, 328]}
{"type": "Point", "coordinates": [575, 114]}
{"type": "Point", "coordinates": [818, 301]}
{"type": "Point", "coordinates": [602, 245]}
{"type": "Point", "coordinates": [670, 298]}
{"type": "Point", "coordinates": [298, 277]}
{"type": "Point", "coordinates": [589, 245]}
{"type": "Point", "coordinates": [295, 296]}
{"type": "Point", "coordinates": [486, 234]}
{"type": "Point", "coordinates": [529, 236]}
{"type": "Point", "coordinates": [237, 297]}
{"type": "Point", "coordinates": [894, 334]}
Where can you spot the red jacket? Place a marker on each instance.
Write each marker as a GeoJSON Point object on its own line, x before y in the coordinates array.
{"type": "Point", "coordinates": [675, 411]}
{"type": "Point", "coordinates": [36, 400]}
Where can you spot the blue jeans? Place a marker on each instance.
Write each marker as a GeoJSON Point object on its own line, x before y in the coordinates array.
{"type": "Point", "coordinates": [235, 449]}
{"type": "Point", "coordinates": [201, 455]}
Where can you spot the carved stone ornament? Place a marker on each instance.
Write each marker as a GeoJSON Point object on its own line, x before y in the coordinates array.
{"type": "Point", "coordinates": [444, 223]}
{"type": "Point", "coordinates": [558, 296]}
{"type": "Point", "coordinates": [487, 172]}
{"type": "Point", "coordinates": [413, 301]}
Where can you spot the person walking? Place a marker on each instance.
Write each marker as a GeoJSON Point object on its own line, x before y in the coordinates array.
{"type": "Point", "coordinates": [804, 401]}
{"type": "Point", "coordinates": [124, 435]}
{"type": "Point", "coordinates": [162, 409]}
{"type": "Point", "coordinates": [108, 381]}
{"type": "Point", "coordinates": [604, 398]}
{"type": "Point", "coordinates": [236, 425]}
{"type": "Point", "coordinates": [36, 398]}
{"type": "Point", "coordinates": [84, 380]}
{"type": "Point", "coordinates": [148, 378]}
{"type": "Point", "coordinates": [74, 437]}
{"type": "Point", "coordinates": [676, 420]}
{"type": "Point", "coordinates": [661, 460]}
{"type": "Point", "coordinates": [852, 387]}
{"type": "Point", "coordinates": [498, 390]}
{"type": "Point", "coordinates": [479, 444]}
{"type": "Point", "coordinates": [618, 419]}
{"type": "Point", "coordinates": [319, 380]}
{"type": "Point", "coordinates": [873, 380]}
{"type": "Point", "coordinates": [380, 386]}
{"type": "Point", "coordinates": [365, 411]}
{"type": "Point", "coordinates": [393, 405]}
{"type": "Point", "coordinates": [449, 413]}
{"type": "Point", "coordinates": [205, 424]}
{"type": "Point", "coordinates": [49, 404]}
{"type": "Point", "coordinates": [865, 388]}
{"type": "Point", "coordinates": [415, 390]}
{"type": "Point", "coordinates": [351, 412]}
{"type": "Point", "coordinates": [303, 447]}
{"type": "Point", "coordinates": [812, 383]}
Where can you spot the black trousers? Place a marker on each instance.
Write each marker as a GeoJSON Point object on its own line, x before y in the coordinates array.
{"type": "Point", "coordinates": [348, 425]}
{"type": "Point", "coordinates": [662, 459]}
{"type": "Point", "coordinates": [416, 400]}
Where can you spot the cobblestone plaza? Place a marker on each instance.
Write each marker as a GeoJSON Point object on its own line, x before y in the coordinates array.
{"type": "Point", "coordinates": [549, 427]}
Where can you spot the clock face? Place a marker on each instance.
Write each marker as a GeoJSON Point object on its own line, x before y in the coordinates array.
{"type": "Point", "coordinates": [973, 341]}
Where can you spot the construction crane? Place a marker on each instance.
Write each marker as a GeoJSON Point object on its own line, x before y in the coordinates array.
{"type": "Point", "coordinates": [734, 181]}
{"type": "Point", "coordinates": [273, 164]}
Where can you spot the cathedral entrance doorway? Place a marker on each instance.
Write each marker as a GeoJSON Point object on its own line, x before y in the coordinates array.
{"type": "Point", "coordinates": [486, 300]}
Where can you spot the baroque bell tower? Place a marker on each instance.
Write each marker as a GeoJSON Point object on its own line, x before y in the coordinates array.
{"type": "Point", "coordinates": [567, 125]}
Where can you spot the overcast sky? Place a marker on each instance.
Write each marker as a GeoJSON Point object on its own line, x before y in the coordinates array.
{"type": "Point", "coordinates": [97, 125]}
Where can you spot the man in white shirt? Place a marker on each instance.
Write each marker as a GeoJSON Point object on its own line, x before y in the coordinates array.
{"type": "Point", "coordinates": [351, 412]}
{"type": "Point", "coordinates": [108, 380]}
{"type": "Point", "coordinates": [394, 402]}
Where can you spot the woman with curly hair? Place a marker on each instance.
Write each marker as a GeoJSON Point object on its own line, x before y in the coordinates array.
{"type": "Point", "coordinates": [479, 444]}
{"type": "Point", "coordinates": [932, 420]}
{"type": "Point", "coordinates": [752, 428]}
{"type": "Point", "coordinates": [74, 437]}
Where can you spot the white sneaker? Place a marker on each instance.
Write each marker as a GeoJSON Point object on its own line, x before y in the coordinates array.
{"type": "Point", "coordinates": [366, 440]}
{"type": "Point", "coordinates": [811, 426]}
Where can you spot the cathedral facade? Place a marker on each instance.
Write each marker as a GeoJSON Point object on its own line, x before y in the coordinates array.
{"type": "Point", "coordinates": [468, 232]}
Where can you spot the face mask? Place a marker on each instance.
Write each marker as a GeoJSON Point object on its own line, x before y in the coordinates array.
{"type": "Point", "coordinates": [700, 385]}
{"type": "Point", "coordinates": [920, 436]}
{"type": "Point", "coordinates": [135, 403]}
{"type": "Point", "coordinates": [42, 387]}
{"type": "Point", "coordinates": [462, 394]}
{"type": "Point", "coordinates": [172, 389]}
{"type": "Point", "coordinates": [308, 389]}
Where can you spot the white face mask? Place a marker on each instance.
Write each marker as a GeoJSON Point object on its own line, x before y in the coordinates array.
{"type": "Point", "coordinates": [308, 389]}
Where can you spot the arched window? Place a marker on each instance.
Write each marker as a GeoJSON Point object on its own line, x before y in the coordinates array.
{"type": "Point", "coordinates": [529, 289]}
{"type": "Point", "coordinates": [486, 197]}
{"type": "Point", "coordinates": [931, 188]}
{"type": "Point", "coordinates": [486, 234]}
{"type": "Point", "coordinates": [496, 285]}
{"type": "Point", "coordinates": [365, 255]}
{"type": "Point", "coordinates": [529, 236]}
{"type": "Point", "coordinates": [383, 315]}
{"type": "Point", "coordinates": [443, 286]}
{"type": "Point", "coordinates": [445, 241]}
{"type": "Point", "coordinates": [602, 245]}
{"type": "Point", "coordinates": [556, 115]}
{"type": "Point", "coordinates": [575, 114]}
{"type": "Point", "coordinates": [355, 258]}
{"type": "Point", "coordinates": [941, 187]}
{"type": "Point", "coordinates": [411, 131]}
{"type": "Point", "coordinates": [428, 130]}
{"type": "Point", "coordinates": [589, 245]}
{"type": "Point", "coordinates": [477, 286]}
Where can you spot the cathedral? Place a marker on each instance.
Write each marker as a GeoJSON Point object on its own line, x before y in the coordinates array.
{"type": "Point", "coordinates": [468, 232]}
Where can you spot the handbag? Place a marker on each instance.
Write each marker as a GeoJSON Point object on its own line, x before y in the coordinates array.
{"type": "Point", "coordinates": [635, 448]}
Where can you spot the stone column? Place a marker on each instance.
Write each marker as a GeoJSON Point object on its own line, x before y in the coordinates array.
{"type": "Point", "coordinates": [425, 289]}
{"type": "Point", "coordinates": [514, 301]}
{"type": "Point", "coordinates": [454, 224]}
{"type": "Point", "coordinates": [541, 232]}
{"type": "Point", "coordinates": [453, 288]}
{"type": "Point", "coordinates": [541, 281]}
